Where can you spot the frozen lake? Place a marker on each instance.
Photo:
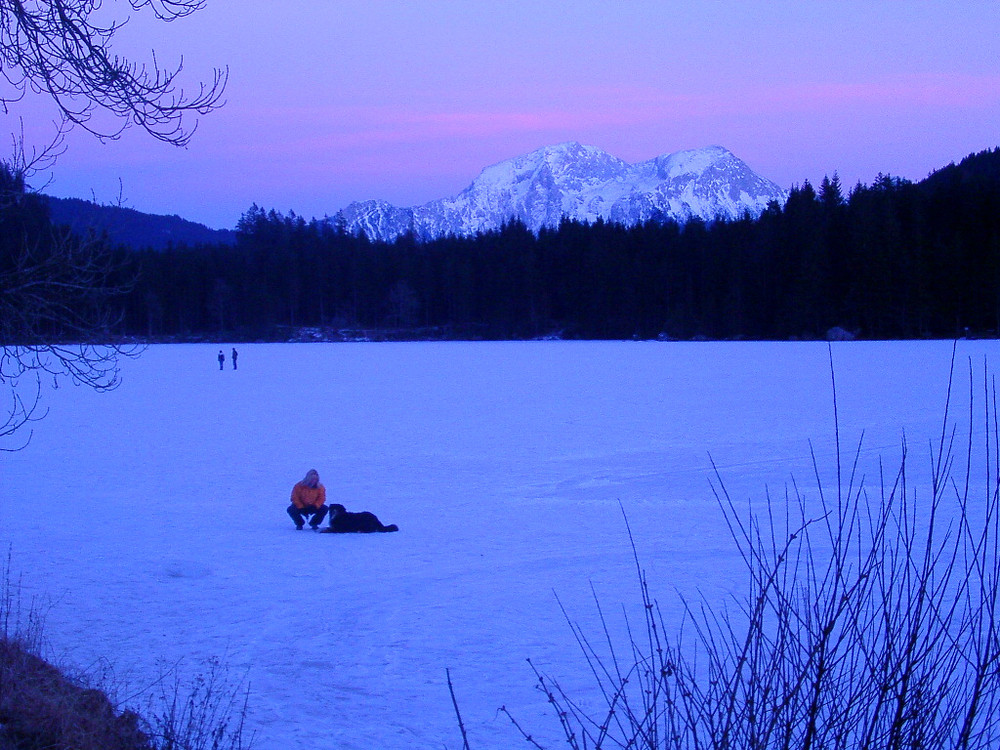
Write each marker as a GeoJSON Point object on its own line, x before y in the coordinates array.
{"type": "Point", "coordinates": [151, 520]}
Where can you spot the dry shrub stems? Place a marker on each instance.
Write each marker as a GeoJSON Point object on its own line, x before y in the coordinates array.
{"type": "Point", "coordinates": [870, 619]}
{"type": "Point", "coordinates": [207, 713]}
{"type": "Point", "coordinates": [43, 707]}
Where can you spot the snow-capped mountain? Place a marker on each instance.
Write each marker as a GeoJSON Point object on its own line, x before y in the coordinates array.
{"type": "Point", "coordinates": [583, 183]}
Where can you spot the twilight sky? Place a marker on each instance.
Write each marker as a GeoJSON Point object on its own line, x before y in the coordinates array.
{"type": "Point", "coordinates": [335, 101]}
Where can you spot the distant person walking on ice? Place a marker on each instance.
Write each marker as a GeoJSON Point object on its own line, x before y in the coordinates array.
{"type": "Point", "coordinates": [309, 500]}
{"type": "Point", "coordinates": [222, 359]}
{"type": "Point", "coordinates": [235, 355]}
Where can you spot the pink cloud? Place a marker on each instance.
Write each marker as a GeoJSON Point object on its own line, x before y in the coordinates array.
{"type": "Point", "coordinates": [583, 110]}
{"type": "Point", "coordinates": [939, 91]}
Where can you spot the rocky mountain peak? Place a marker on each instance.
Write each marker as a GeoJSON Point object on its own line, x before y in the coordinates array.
{"type": "Point", "coordinates": [583, 183]}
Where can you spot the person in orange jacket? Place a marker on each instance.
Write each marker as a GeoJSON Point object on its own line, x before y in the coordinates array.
{"type": "Point", "coordinates": [308, 500]}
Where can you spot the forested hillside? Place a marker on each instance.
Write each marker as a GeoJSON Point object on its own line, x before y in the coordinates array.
{"type": "Point", "coordinates": [893, 259]}
{"type": "Point", "coordinates": [127, 226]}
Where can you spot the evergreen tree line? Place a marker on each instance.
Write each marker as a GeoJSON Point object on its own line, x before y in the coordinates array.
{"type": "Point", "coordinates": [894, 259]}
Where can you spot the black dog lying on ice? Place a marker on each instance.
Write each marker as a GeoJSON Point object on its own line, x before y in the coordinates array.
{"type": "Point", "coordinates": [344, 522]}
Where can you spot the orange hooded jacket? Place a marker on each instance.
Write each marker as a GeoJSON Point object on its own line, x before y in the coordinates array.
{"type": "Point", "coordinates": [304, 496]}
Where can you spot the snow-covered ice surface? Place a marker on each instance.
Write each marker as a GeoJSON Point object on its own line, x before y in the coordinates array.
{"type": "Point", "coordinates": [152, 519]}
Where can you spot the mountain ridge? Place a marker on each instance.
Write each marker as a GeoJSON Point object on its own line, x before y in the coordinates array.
{"type": "Point", "coordinates": [579, 182]}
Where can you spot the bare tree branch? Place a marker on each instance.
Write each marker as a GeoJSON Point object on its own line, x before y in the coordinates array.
{"type": "Point", "coordinates": [56, 305]}
{"type": "Point", "coordinates": [57, 290]}
{"type": "Point", "coordinates": [58, 48]}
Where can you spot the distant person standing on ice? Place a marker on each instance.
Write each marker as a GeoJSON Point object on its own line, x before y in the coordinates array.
{"type": "Point", "coordinates": [308, 499]}
{"type": "Point", "coordinates": [222, 359]}
{"type": "Point", "coordinates": [235, 355]}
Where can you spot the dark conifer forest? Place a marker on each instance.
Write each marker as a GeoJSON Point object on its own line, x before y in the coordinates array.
{"type": "Point", "coordinates": [894, 259]}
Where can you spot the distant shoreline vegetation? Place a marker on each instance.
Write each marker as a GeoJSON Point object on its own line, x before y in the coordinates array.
{"type": "Point", "coordinates": [893, 260]}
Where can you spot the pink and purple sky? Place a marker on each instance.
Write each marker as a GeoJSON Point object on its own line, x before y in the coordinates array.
{"type": "Point", "coordinates": [335, 101]}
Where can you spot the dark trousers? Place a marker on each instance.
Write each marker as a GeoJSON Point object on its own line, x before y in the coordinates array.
{"type": "Point", "coordinates": [315, 515]}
